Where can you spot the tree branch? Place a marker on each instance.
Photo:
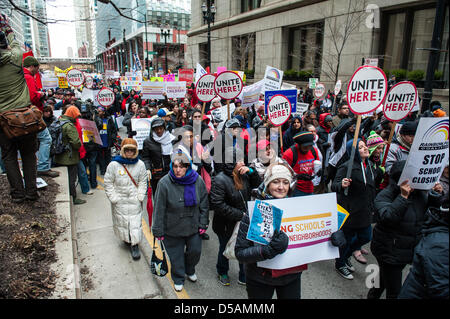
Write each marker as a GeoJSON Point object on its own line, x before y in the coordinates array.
{"type": "Point", "coordinates": [26, 13]}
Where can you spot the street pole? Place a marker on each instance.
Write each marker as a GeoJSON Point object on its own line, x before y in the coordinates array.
{"type": "Point", "coordinates": [434, 55]}
{"type": "Point", "coordinates": [146, 44]}
{"type": "Point", "coordinates": [126, 51]}
{"type": "Point", "coordinates": [209, 34]}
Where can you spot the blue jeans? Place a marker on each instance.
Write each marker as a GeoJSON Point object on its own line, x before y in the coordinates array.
{"type": "Point", "coordinates": [2, 167]}
{"type": "Point", "coordinates": [43, 154]}
{"type": "Point", "coordinates": [222, 262]}
{"type": "Point", "coordinates": [355, 238]}
{"type": "Point", "coordinates": [83, 178]}
{"type": "Point", "coordinates": [91, 160]}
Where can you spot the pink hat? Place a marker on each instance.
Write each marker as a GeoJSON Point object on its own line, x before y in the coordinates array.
{"type": "Point", "coordinates": [262, 145]}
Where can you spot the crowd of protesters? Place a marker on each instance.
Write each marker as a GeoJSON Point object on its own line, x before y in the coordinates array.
{"type": "Point", "coordinates": [196, 161]}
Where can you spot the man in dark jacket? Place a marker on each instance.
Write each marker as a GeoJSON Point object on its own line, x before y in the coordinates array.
{"type": "Point", "coordinates": [428, 277]}
{"type": "Point", "coordinates": [108, 134]}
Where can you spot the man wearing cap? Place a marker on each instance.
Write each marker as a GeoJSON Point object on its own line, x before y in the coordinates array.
{"type": "Point", "coordinates": [165, 114]}
{"type": "Point", "coordinates": [303, 157]}
{"type": "Point", "coordinates": [30, 68]}
{"type": "Point", "coordinates": [401, 144]}
{"type": "Point", "coordinates": [14, 95]}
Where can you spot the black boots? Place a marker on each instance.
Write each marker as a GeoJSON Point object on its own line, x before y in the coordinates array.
{"type": "Point", "coordinates": [135, 252]}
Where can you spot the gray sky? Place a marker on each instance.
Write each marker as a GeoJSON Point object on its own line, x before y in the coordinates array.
{"type": "Point", "coordinates": [62, 34]}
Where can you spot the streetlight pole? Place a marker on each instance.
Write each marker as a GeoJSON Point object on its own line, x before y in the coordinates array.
{"type": "Point", "coordinates": [125, 51]}
{"type": "Point", "coordinates": [209, 11]}
{"type": "Point", "coordinates": [146, 44]}
{"type": "Point", "coordinates": [165, 34]}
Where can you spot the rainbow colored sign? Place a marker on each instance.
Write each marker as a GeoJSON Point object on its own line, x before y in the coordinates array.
{"type": "Point", "coordinates": [272, 78]}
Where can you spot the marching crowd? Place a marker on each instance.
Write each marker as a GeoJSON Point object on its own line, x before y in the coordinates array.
{"type": "Point", "coordinates": [195, 161]}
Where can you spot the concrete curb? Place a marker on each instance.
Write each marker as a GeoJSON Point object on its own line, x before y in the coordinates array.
{"type": "Point", "coordinates": [68, 275]}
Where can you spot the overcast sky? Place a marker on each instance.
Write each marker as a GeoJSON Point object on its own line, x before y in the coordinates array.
{"type": "Point", "coordinates": [62, 34]}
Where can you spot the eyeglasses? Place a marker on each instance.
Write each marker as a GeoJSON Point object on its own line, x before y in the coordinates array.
{"type": "Point", "coordinates": [197, 117]}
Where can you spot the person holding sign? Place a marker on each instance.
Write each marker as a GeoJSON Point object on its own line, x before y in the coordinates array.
{"type": "Point", "coordinates": [399, 213]}
{"type": "Point", "coordinates": [358, 202]}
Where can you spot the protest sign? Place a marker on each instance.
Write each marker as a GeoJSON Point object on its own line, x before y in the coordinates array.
{"type": "Point", "coordinates": [131, 83]}
{"type": "Point", "coordinates": [312, 82]}
{"type": "Point", "coordinates": [319, 91]}
{"type": "Point", "coordinates": [228, 85]}
{"type": "Point", "coordinates": [250, 94]}
{"type": "Point", "coordinates": [221, 69]}
{"type": "Point", "coordinates": [89, 131]}
{"type": "Point", "coordinates": [168, 77]}
{"type": "Point", "coordinates": [204, 88]}
{"type": "Point", "coordinates": [337, 87]}
{"type": "Point", "coordinates": [153, 90]}
{"type": "Point", "coordinates": [75, 77]}
{"type": "Point", "coordinates": [428, 155]}
{"type": "Point", "coordinates": [49, 82]}
{"type": "Point", "coordinates": [301, 108]}
{"type": "Point", "coordinates": [142, 128]}
{"type": "Point", "coordinates": [272, 78]}
{"type": "Point", "coordinates": [290, 94]}
{"type": "Point", "coordinates": [264, 220]}
{"type": "Point", "coordinates": [366, 90]}
{"type": "Point", "coordinates": [342, 215]}
{"type": "Point", "coordinates": [279, 109]}
{"type": "Point", "coordinates": [87, 94]}
{"type": "Point", "coordinates": [199, 71]}
{"type": "Point", "coordinates": [309, 226]}
{"type": "Point", "coordinates": [119, 121]}
{"type": "Point", "coordinates": [106, 97]}
{"type": "Point", "coordinates": [175, 90]}
{"type": "Point", "coordinates": [62, 83]}
{"type": "Point", "coordinates": [88, 81]}
{"type": "Point", "coordinates": [186, 75]}
{"type": "Point", "coordinates": [399, 101]}
{"type": "Point", "coordinates": [109, 74]}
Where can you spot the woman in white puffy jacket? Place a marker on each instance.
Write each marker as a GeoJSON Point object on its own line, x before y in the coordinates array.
{"type": "Point", "coordinates": [126, 187]}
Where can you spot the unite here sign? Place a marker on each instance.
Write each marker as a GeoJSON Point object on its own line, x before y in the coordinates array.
{"type": "Point", "coordinates": [400, 100]}
{"type": "Point", "coordinates": [228, 85]}
{"type": "Point", "coordinates": [105, 97]}
{"type": "Point", "coordinates": [366, 90]}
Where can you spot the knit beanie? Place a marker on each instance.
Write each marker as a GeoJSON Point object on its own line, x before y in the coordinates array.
{"type": "Point", "coordinates": [373, 141]}
{"type": "Point", "coordinates": [129, 143]}
{"type": "Point", "coordinates": [30, 61]}
{"type": "Point", "coordinates": [439, 113]}
{"type": "Point", "coordinates": [409, 128]}
{"type": "Point", "coordinates": [275, 171]}
{"type": "Point", "coordinates": [304, 138]}
{"type": "Point", "coordinates": [73, 112]}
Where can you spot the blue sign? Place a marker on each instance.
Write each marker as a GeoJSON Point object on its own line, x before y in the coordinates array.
{"type": "Point", "coordinates": [290, 94]}
{"type": "Point", "coordinates": [265, 220]}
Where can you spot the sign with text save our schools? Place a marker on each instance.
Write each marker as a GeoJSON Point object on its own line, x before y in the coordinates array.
{"type": "Point", "coordinates": [308, 221]}
{"type": "Point", "coordinates": [428, 155]}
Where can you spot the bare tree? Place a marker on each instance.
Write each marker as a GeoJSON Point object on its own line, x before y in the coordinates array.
{"type": "Point", "coordinates": [243, 48]}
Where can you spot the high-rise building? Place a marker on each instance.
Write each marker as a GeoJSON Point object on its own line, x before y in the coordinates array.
{"type": "Point", "coordinates": [83, 27]}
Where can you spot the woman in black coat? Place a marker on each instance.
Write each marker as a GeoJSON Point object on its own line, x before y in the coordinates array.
{"type": "Point", "coordinates": [399, 213]}
{"type": "Point", "coordinates": [230, 191]}
{"type": "Point", "coordinates": [358, 202]}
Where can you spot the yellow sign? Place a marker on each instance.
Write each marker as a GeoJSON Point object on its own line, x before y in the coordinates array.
{"type": "Point", "coordinates": [62, 83]}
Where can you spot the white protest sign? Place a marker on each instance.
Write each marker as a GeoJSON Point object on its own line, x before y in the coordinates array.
{"type": "Point", "coordinates": [75, 77]}
{"type": "Point", "coordinates": [428, 155]}
{"type": "Point", "coordinates": [142, 128]}
{"type": "Point", "coordinates": [399, 101]}
{"type": "Point", "coordinates": [175, 90]}
{"type": "Point", "coordinates": [204, 88]}
{"type": "Point", "coordinates": [228, 85]}
{"type": "Point", "coordinates": [301, 108]}
{"type": "Point", "coordinates": [106, 97]}
{"type": "Point", "coordinates": [87, 94]}
{"type": "Point", "coordinates": [49, 82]}
{"type": "Point", "coordinates": [250, 94]}
{"type": "Point", "coordinates": [366, 90]}
{"type": "Point", "coordinates": [90, 132]}
{"type": "Point", "coordinates": [279, 109]}
{"type": "Point", "coordinates": [309, 222]}
{"type": "Point", "coordinates": [221, 113]}
{"type": "Point", "coordinates": [152, 90]}
{"type": "Point", "coordinates": [319, 91]}
{"type": "Point", "coordinates": [272, 78]}
{"type": "Point", "coordinates": [89, 81]}
{"type": "Point", "coordinates": [337, 87]}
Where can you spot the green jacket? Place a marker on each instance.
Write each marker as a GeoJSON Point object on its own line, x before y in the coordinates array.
{"type": "Point", "coordinates": [13, 87]}
{"type": "Point", "coordinates": [69, 137]}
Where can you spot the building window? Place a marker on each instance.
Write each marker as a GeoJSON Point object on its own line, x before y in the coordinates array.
{"type": "Point", "coordinates": [203, 54]}
{"type": "Point", "coordinates": [243, 52]}
{"type": "Point", "coordinates": [305, 48]}
{"type": "Point", "coordinates": [248, 5]}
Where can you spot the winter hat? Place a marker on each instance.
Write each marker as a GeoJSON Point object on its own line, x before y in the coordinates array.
{"type": "Point", "coordinates": [278, 170]}
{"type": "Point", "coordinates": [262, 145]}
{"type": "Point", "coordinates": [409, 128]}
{"type": "Point", "coordinates": [158, 122]}
{"type": "Point", "coordinates": [304, 138]}
{"type": "Point", "coordinates": [439, 113]}
{"type": "Point", "coordinates": [128, 143]}
{"type": "Point", "coordinates": [164, 112]}
{"type": "Point", "coordinates": [30, 61]}
{"type": "Point", "coordinates": [373, 141]}
{"type": "Point", "coordinates": [73, 112]}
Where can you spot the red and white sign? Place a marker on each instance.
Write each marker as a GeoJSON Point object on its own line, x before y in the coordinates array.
{"type": "Point", "coordinates": [337, 87]}
{"type": "Point", "coordinates": [366, 90]}
{"type": "Point", "coordinates": [75, 77]}
{"type": "Point", "coordinates": [89, 81]}
{"type": "Point", "coordinates": [186, 75]}
{"type": "Point", "coordinates": [400, 100]}
{"type": "Point", "coordinates": [106, 97]}
{"type": "Point", "coordinates": [204, 88]}
{"type": "Point", "coordinates": [228, 85]}
{"type": "Point", "coordinates": [279, 109]}
{"type": "Point", "coordinates": [319, 91]}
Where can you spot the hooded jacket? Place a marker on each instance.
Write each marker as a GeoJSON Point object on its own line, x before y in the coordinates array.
{"type": "Point", "coordinates": [288, 137]}
{"type": "Point", "coordinates": [69, 137]}
{"type": "Point", "coordinates": [153, 158]}
{"type": "Point", "coordinates": [322, 132]}
{"type": "Point", "coordinates": [13, 87]}
{"type": "Point", "coordinates": [35, 94]}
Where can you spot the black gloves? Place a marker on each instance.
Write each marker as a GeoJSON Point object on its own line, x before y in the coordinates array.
{"type": "Point", "coordinates": [277, 245]}
{"type": "Point", "coordinates": [338, 239]}
{"type": "Point", "coordinates": [305, 177]}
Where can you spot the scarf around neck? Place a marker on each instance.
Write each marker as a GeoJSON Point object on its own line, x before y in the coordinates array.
{"type": "Point", "coordinates": [166, 142]}
{"type": "Point", "coordinates": [123, 160]}
{"type": "Point", "coordinates": [188, 181]}
{"type": "Point", "coordinates": [403, 143]}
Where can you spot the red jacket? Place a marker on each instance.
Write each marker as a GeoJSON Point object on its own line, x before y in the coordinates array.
{"type": "Point", "coordinates": [35, 94]}
{"type": "Point", "coordinates": [304, 165]}
{"type": "Point", "coordinates": [81, 150]}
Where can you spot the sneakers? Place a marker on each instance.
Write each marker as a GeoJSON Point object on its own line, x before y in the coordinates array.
{"type": "Point", "coordinates": [78, 201]}
{"type": "Point", "coordinates": [349, 265]}
{"type": "Point", "coordinates": [224, 280]}
{"type": "Point", "coordinates": [89, 193]}
{"type": "Point", "coordinates": [135, 253]}
{"type": "Point", "coordinates": [344, 272]}
{"type": "Point", "coordinates": [192, 278]}
{"type": "Point", "coordinates": [49, 173]}
{"type": "Point", "coordinates": [18, 200]}
{"type": "Point", "coordinates": [178, 287]}
{"type": "Point", "coordinates": [240, 282]}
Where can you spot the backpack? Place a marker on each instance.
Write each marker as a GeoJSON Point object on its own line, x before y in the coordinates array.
{"type": "Point", "coordinates": [295, 154]}
{"type": "Point", "coordinates": [55, 130]}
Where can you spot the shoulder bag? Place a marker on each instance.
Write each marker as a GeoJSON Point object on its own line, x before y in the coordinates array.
{"type": "Point", "coordinates": [21, 122]}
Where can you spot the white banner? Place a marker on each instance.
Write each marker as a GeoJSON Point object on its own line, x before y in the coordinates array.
{"type": "Point", "coordinates": [49, 82]}
{"type": "Point", "coordinates": [153, 90]}
{"type": "Point", "coordinates": [428, 155]}
{"type": "Point", "coordinates": [272, 78]}
{"type": "Point", "coordinates": [142, 128]}
{"type": "Point", "coordinates": [309, 222]}
{"type": "Point", "coordinates": [175, 90]}
{"type": "Point", "coordinates": [250, 94]}
{"type": "Point", "coordinates": [199, 72]}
